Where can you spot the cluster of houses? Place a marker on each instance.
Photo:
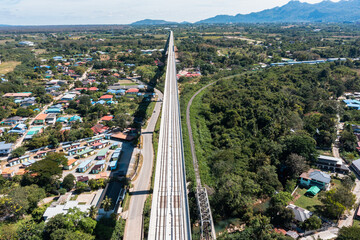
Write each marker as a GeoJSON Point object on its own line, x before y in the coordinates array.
{"type": "Point", "coordinates": [292, 62]}
{"type": "Point", "coordinates": [24, 99]}
{"type": "Point", "coordinates": [188, 73]}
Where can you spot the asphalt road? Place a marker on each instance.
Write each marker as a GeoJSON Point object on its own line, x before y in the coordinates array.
{"type": "Point", "coordinates": [141, 185]}
{"type": "Point", "coordinates": [170, 211]}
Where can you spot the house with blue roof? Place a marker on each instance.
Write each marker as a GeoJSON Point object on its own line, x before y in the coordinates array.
{"type": "Point", "coordinates": [62, 119]}
{"type": "Point", "coordinates": [19, 129]}
{"type": "Point", "coordinates": [75, 119]}
{"type": "Point", "coordinates": [315, 178]}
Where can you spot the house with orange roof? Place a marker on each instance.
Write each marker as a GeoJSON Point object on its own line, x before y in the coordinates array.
{"type": "Point", "coordinates": [106, 118]}
{"type": "Point", "coordinates": [106, 97]}
{"type": "Point", "coordinates": [40, 119]}
{"type": "Point", "coordinates": [21, 172]}
{"type": "Point", "coordinates": [70, 164]}
{"type": "Point", "coordinates": [8, 173]}
{"type": "Point", "coordinates": [132, 91]}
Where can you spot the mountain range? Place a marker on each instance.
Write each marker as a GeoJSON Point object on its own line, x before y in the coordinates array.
{"type": "Point", "coordinates": [293, 11]}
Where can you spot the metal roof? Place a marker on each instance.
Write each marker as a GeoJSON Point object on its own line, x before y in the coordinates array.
{"type": "Point", "coordinates": [320, 176]}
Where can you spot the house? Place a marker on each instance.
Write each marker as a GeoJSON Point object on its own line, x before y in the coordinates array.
{"type": "Point", "coordinates": [102, 154]}
{"type": "Point", "coordinates": [315, 178]}
{"type": "Point", "coordinates": [93, 141]}
{"type": "Point", "coordinates": [8, 173]}
{"type": "Point", "coordinates": [18, 95]}
{"type": "Point", "coordinates": [73, 151]}
{"type": "Point", "coordinates": [13, 121]}
{"type": "Point", "coordinates": [113, 165]}
{"type": "Point", "coordinates": [99, 166]}
{"type": "Point", "coordinates": [26, 102]}
{"type": "Point", "coordinates": [62, 119]}
{"type": "Point", "coordinates": [106, 118]}
{"type": "Point", "coordinates": [33, 131]}
{"type": "Point", "coordinates": [116, 154]}
{"type": "Point", "coordinates": [40, 119]}
{"type": "Point", "coordinates": [27, 43]}
{"type": "Point", "coordinates": [106, 97]}
{"type": "Point", "coordinates": [13, 162]}
{"type": "Point", "coordinates": [300, 214]}
{"type": "Point", "coordinates": [292, 234]}
{"type": "Point", "coordinates": [20, 172]}
{"type": "Point", "coordinates": [83, 179]}
{"type": "Point", "coordinates": [19, 129]}
{"type": "Point", "coordinates": [69, 97]}
{"type": "Point", "coordinates": [25, 158]}
{"type": "Point", "coordinates": [70, 164]}
{"type": "Point", "coordinates": [75, 119]}
{"type": "Point", "coordinates": [132, 91]}
{"type": "Point", "coordinates": [355, 165]}
{"type": "Point", "coordinates": [124, 136]}
{"type": "Point", "coordinates": [332, 164]}
{"type": "Point", "coordinates": [58, 58]}
{"type": "Point", "coordinates": [68, 147]}
{"type": "Point", "coordinates": [54, 110]}
{"type": "Point", "coordinates": [5, 148]}
{"type": "Point", "coordinates": [84, 166]}
{"type": "Point", "coordinates": [85, 153]}
{"type": "Point", "coordinates": [312, 191]}
{"type": "Point", "coordinates": [114, 146]}
{"type": "Point", "coordinates": [100, 145]}
{"type": "Point", "coordinates": [93, 89]}
{"type": "Point", "coordinates": [99, 128]}
{"type": "Point", "coordinates": [28, 163]}
{"type": "Point", "coordinates": [50, 118]}
{"type": "Point", "coordinates": [64, 208]}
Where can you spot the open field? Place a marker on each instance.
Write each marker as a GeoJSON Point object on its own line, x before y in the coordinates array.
{"type": "Point", "coordinates": [7, 67]}
{"type": "Point", "coordinates": [303, 201]}
{"type": "Point", "coordinates": [2, 42]}
{"type": "Point", "coordinates": [39, 51]}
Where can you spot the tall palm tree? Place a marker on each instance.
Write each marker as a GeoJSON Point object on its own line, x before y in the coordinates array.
{"type": "Point", "coordinates": [93, 212]}
{"type": "Point", "coordinates": [107, 204]}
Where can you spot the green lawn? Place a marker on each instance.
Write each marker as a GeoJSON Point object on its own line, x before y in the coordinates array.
{"type": "Point", "coordinates": [335, 183]}
{"type": "Point", "coordinates": [356, 223]}
{"type": "Point", "coordinates": [308, 203]}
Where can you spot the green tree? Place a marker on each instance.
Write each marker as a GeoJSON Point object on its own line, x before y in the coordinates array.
{"type": "Point", "coordinates": [107, 204]}
{"type": "Point", "coordinates": [69, 182]}
{"type": "Point", "coordinates": [47, 172]}
{"type": "Point", "coordinates": [30, 230]}
{"type": "Point", "coordinates": [349, 233]}
{"type": "Point", "coordinates": [93, 212]}
{"type": "Point", "coordinates": [312, 223]}
{"type": "Point", "coordinates": [81, 187]}
{"type": "Point", "coordinates": [18, 152]}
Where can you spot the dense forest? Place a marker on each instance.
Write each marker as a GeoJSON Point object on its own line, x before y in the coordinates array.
{"type": "Point", "coordinates": [257, 132]}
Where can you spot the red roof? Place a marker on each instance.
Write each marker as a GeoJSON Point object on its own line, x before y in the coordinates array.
{"type": "Point", "coordinates": [93, 89]}
{"type": "Point", "coordinates": [80, 88]}
{"type": "Point", "coordinates": [132, 90]}
{"type": "Point", "coordinates": [280, 230]}
{"type": "Point", "coordinates": [106, 118]}
{"type": "Point", "coordinates": [99, 128]}
{"type": "Point", "coordinates": [98, 144]}
{"type": "Point", "coordinates": [106, 97]}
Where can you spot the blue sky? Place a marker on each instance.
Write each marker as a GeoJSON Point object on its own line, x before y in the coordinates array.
{"type": "Point", "coordinates": [58, 12]}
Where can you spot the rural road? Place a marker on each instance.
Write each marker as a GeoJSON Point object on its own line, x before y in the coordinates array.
{"type": "Point", "coordinates": [133, 228]}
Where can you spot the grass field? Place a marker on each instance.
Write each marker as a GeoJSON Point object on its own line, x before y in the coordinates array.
{"type": "Point", "coordinates": [308, 203]}
{"type": "Point", "coordinates": [2, 42]}
{"type": "Point", "coordinates": [7, 67]}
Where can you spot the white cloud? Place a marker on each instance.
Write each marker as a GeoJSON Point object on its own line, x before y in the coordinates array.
{"type": "Point", "coordinates": [42, 12]}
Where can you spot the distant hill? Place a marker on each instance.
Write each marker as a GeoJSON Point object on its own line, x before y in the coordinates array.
{"type": "Point", "coordinates": [296, 11]}
{"type": "Point", "coordinates": [153, 22]}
